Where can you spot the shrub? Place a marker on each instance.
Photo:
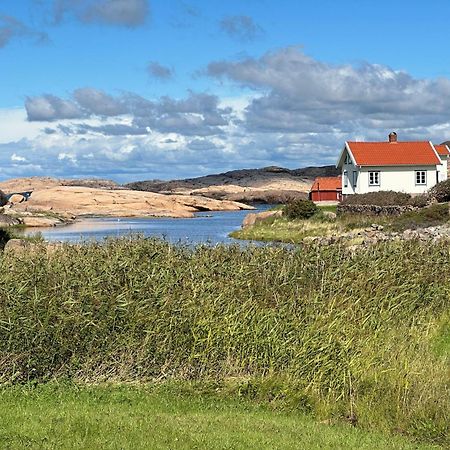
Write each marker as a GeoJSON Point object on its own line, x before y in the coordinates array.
{"type": "Point", "coordinates": [3, 198]}
{"type": "Point", "coordinates": [5, 236]}
{"type": "Point", "coordinates": [300, 209]}
{"type": "Point", "coordinates": [420, 201]}
{"type": "Point", "coordinates": [441, 191]}
{"type": "Point", "coordinates": [381, 198]}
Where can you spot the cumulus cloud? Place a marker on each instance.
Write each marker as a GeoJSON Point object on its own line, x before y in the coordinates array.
{"type": "Point", "coordinates": [203, 145]}
{"type": "Point", "coordinates": [128, 13]}
{"type": "Point", "coordinates": [116, 129]}
{"type": "Point", "coordinates": [296, 111]}
{"type": "Point", "coordinates": [241, 28]}
{"type": "Point", "coordinates": [198, 114]}
{"type": "Point", "coordinates": [50, 108]}
{"type": "Point", "coordinates": [11, 28]}
{"type": "Point", "coordinates": [300, 94]}
{"type": "Point", "coordinates": [94, 101]}
{"type": "Point", "coordinates": [157, 70]}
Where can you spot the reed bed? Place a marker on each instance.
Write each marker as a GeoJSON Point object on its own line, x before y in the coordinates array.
{"type": "Point", "coordinates": [362, 337]}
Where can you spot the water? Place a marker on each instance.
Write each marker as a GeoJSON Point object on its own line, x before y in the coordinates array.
{"type": "Point", "coordinates": [206, 227]}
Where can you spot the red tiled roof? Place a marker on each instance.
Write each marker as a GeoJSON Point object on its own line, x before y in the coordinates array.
{"type": "Point", "coordinates": [327, 184]}
{"type": "Point", "coordinates": [393, 153]}
{"type": "Point", "coordinates": [442, 150]}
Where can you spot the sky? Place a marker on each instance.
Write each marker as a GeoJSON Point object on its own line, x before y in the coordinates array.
{"type": "Point", "coordinates": [162, 89]}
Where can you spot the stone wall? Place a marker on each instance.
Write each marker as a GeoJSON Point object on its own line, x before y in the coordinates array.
{"type": "Point", "coordinates": [374, 210]}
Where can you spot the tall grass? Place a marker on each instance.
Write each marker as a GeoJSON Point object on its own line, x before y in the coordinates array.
{"type": "Point", "coordinates": [337, 335]}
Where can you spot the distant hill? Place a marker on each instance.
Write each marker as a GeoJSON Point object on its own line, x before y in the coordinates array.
{"type": "Point", "coordinates": [241, 177]}
{"type": "Point", "coordinates": [269, 184]}
{"type": "Point", "coordinates": [35, 183]}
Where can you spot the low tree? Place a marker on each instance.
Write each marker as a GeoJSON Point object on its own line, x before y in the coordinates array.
{"type": "Point", "coordinates": [300, 209]}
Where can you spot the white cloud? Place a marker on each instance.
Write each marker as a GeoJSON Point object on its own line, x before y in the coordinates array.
{"type": "Point", "coordinates": [17, 158]}
{"type": "Point", "coordinates": [299, 112]}
{"type": "Point", "coordinates": [15, 126]}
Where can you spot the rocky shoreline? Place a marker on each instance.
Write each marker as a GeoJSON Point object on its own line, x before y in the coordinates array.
{"type": "Point", "coordinates": [36, 202]}
{"type": "Point", "coordinates": [361, 237]}
{"type": "Point", "coordinates": [376, 233]}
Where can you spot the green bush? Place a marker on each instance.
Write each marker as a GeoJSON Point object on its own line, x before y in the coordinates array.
{"type": "Point", "coordinates": [5, 236]}
{"type": "Point", "coordinates": [381, 198]}
{"type": "Point", "coordinates": [300, 209]}
{"type": "Point", "coordinates": [441, 191]}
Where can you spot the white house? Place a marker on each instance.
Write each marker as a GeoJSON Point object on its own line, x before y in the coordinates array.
{"type": "Point", "coordinates": [412, 167]}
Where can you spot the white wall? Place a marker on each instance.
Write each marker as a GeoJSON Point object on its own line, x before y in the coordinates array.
{"type": "Point", "coordinates": [350, 189]}
{"type": "Point", "coordinates": [399, 178]}
{"type": "Point", "coordinates": [443, 168]}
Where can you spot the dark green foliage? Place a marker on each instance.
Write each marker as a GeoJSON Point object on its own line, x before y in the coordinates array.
{"type": "Point", "coordinates": [441, 191]}
{"type": "Point", "coordinates": [5, 236]}
{"type": "Point", "coordinates": [381, 198]}
{"type": "Point", "coordinates": [3, 198]}
{"type": "Point", "coordinates": [300, 209]}
{"type": "Point", "coordinates": [351, 335]}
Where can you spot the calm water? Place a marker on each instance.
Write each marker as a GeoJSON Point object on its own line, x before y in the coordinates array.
{"type": "Point", "coordinates": [206, 227]}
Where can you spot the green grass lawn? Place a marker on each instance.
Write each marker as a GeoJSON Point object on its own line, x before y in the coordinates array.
{"type": "Point", "coordinates": [161, 417]}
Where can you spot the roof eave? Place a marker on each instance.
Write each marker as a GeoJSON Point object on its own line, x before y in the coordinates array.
{"type": "Point", "coordinates": [400, 165]}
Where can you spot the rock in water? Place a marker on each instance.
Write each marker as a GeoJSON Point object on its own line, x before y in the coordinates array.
{"type": "Point", "coordinates": [252, 218]}
{"type": "Point", "coordinates": [35, 221]}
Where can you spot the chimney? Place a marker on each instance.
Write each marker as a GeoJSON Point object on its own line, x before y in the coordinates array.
{"type": "Point", "coordinates": [393, 137]}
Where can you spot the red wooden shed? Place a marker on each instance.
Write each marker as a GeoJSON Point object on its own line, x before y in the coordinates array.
{"type": "Point", "coordinates": [326, 189]}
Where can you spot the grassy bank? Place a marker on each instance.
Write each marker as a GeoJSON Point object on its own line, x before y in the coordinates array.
{"type": "Point", "coordinates": [162, 417]}
{"type": "Point", "coordinates": [282, 229]}
{"type": "Point", "coordinates": [359, 339]}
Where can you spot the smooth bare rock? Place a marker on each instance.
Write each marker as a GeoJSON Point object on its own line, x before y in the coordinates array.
{"type": "Point", "coordinates": [6, 220]}
{"type": "Point", "coordinates": [268, 194]}
{"type": "Point", "coordinates": [16, 245]}
{"type": "Point", "coordinates": [21, 246]}
{"type": "Point", "coordinates": [28, 184]}
{"type": "Point", "coordinates": [16, 198]}
{"type": "Point", "coordinates": [83, 201]}
{"type": "Point", "coordinates": [36, 221]}
{"type": "Point", "coordinates": [252, 218]}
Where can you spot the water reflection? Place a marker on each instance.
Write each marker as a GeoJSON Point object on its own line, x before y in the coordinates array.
{"type": "Point", "coordinates": [206, 227]}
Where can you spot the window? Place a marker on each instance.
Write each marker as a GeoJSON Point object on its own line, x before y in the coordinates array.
{"type": "Point", "coordinates": [345, 178]}
{"type": "Point", "coordinates": [348, 159]}
{"type": "Point", "coordinates": [374, 178]}
{"type": "Point", "coordinates": [355, 178]}
{"type": "Point", "coordinates": [421, 177]}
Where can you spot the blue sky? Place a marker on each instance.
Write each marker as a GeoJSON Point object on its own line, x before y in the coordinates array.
{"type": "Point", "coordinates": [141, 89]}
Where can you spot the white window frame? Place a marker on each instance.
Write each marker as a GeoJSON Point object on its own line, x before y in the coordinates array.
{"type": "Point", "coordinates": [374, 178]}
{"type": "Point", "coordinates": [348, 160]}
{"type": "Point", "coordinates": [420, 176]}
{"type": "Point", "coordinates": [345, 176]}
